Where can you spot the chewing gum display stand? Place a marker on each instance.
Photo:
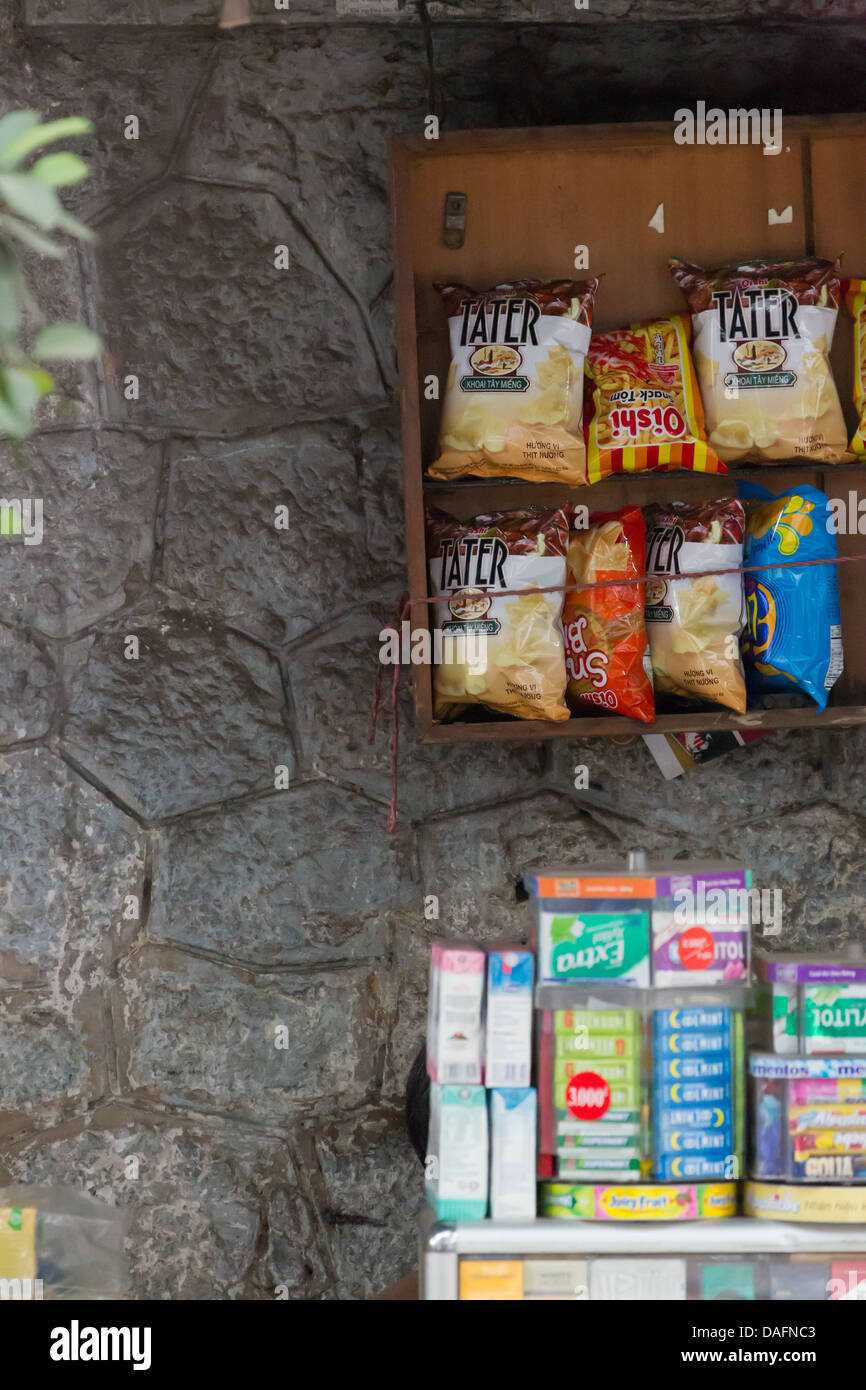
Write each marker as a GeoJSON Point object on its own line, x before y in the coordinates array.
{"type": "Point", "coordinates": [572, 1261]}
{"type": "Point", "coordinates": [643, 977]}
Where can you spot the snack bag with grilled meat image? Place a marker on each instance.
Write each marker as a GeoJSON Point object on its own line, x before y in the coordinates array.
{"type": "Point", "coordinates": [694, 613]}
{"type": "Point", "coordinates": [513, 402]}
{"type": "Point", "coordinates": [763, 332]}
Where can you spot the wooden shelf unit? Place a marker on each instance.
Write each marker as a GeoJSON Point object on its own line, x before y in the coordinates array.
{"type": "Point", "coordinates": [532, 197]}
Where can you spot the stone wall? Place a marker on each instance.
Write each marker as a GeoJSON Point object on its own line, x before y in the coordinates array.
{"type": "Point", "coordinates": [165, 911]}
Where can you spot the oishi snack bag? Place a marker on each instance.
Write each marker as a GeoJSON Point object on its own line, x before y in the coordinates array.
{"type": "Point", "coordinates": [693, 624]}
{"type": "Point", "coordinates": [605, 638]}
{"type": "Point", "coordinates": [763, 333]}
{"type": "Point", "coordinates": [514, 394]}
{"type": "Point", "coordinates": [504, 652]}
{"type": "Point", "coordinates": [793, 629]}
{"type": "Point", "coordinates": [855, 300]}
{"type": "Point", "coordinates": [645, 411]}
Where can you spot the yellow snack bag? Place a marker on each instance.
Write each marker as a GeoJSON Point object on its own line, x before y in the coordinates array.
{"type": "Point", "coordinates": [763, 332]}
{"type": "Point", "coordinates": [645, 410]}
{"type": "Point", "coordinates": [497, 647]}
{"type": "Point", "coordinates": [513, 403]}
{"type": "Point", "coordinates": [855, 302]}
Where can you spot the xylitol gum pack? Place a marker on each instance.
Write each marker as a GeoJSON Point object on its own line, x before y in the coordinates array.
{"type": "Point", "coordinates": [818, 1005]}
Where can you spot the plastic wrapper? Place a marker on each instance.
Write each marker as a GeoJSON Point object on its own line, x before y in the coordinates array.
{"type": "Point", "coordinates": [763, 332]}
{"type": "Point", "coordinates": [644, 409]}
{"type": "Point", "coordinates": [808, 1118]}
{"type": "Point", "coordinates": [793, 636]}
{"type": "Point", "coordinates": [855, 301]}
{"type": "Point", "coordinates": [514, 394]}
{"type": "Point", "coordinates": [504, 652]}
{"type": "Point", "coordinates": [605, 637]}
{"type": "Point", "coordinates": [69, 1241]}
{"type": "Point", "coordinates": [694, 618]}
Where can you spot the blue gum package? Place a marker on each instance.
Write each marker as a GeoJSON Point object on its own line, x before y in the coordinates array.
{"type": "Point", "coordinates": [793, 636]}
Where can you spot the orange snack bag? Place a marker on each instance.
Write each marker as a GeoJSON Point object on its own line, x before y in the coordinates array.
{"type": "Point", "coordinates": [645, 411]}
{"type": "Point", "coordinates": [606, 659]}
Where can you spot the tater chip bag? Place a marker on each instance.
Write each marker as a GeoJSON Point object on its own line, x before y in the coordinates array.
{"type": "Point", "coordinates": [504, 652]}
{"type": "Point", "coordinates": [694, 616]}
{"type": "Point", "coordinates": [793, 634]}
{"type": "Point", "coordinates": [606, 658]}
{"type": "Point", "coordinates": [514, 396]}
{"type": "Point", "coordinates": [855, 300]}
{"type": "Point", "coordinates": [645, 409]}
{"type": "Point", "coordinates": [762, 335]}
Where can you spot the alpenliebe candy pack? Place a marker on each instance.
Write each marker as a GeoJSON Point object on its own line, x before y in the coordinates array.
{"type": "Point", "coordinates": [644, 409]}
{"type": "Point", "coordinates": [808, 1118]}
{"type": "Point", "coordinates": [606, 659]}
{"type": "Point", "coordinates": [501, 642]}
{"type": "Point", "coordinates": [762, 333]}
{"type": "Point", "coordinates": [694, 600]}
{"type": "Point", "coordinates": [855, 302]}
{"type": "Point", "coordinates": [514, 394]}
{"type": "Point", "coordinates": [793, 635]}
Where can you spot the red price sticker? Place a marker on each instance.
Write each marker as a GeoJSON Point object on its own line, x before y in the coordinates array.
{"type": "Point", "coordinates": [697, 948]}
{"type": "Point", "coordinates": [587, 1096]}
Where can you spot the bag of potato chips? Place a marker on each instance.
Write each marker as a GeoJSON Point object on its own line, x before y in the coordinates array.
{"type": "Point", "coordinates": [763, 333]}
{"type": "Point", "coordinates": [794, 631]}
{"type": "Point", "coordinates": [503, 652]}
{"type": "Point", "coordinates": [694, 624]}
{"type": "Point", "coordinates": [514, 394]}
{"type": "Point", "coordinates": [645, 410]}
{"type": "Point", "coordinates": [855, 300]}
{"type": "Point", "coordinates": [606, 656]}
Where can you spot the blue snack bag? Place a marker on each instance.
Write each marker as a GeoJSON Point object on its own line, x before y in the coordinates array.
{"type": "Point", "coordinates": [793, 635]}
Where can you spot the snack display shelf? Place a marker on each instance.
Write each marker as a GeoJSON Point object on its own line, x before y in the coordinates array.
{"type": "Point", "coordinates": [443, 1245]}
{"type": "Point", "coordinates": [805, 200]}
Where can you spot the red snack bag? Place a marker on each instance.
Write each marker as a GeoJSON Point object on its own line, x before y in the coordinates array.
{"type": "Point", "coordinates": [606, 657]}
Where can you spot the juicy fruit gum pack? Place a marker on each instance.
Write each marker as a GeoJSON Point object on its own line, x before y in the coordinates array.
{"type": "Point", "coordinates": [855, 302]}
{"type": "Point", "coordinates": [514, 393]}
{"type": "Point", "coordinates": [644, 410]}
{"type": "Point", "coordinates": [793, 631]}
{"type": "Point", "coordinates": [503, 652]}
{"type": "Point", "coordinates": [693, 623]}
{"type": "Point", "coordinates": [605, 637]}
{"type": "Point", "coordinates": [763, 333]}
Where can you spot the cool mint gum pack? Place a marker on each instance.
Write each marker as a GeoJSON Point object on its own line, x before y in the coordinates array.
{"type": "Point", "coordinates": [818, 1005]}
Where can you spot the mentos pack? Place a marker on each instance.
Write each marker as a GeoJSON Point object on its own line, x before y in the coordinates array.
{"type": "Point", "coordinates": [793, 634]}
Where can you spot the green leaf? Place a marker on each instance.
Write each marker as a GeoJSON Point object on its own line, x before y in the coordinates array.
{"type": "Point", "coordinates": [59, 170]}
{"type": "Point", "coordinates": [15, 124]}
{"type": "Point", "coordinates": [70, 341]}
{"type": "Point", "coordinates": [37, 136]}
{"type": "Point", "coordinates": [73, 227]}
{"type": "Point", "coordinates": [31, 199]}
{"type": "Point", "coordinates": [21, 389]}
{"type": "Point", "coordinates": [32, 238]}
{"type": "Point", "coordinates": [14, 420]}
{"type": "Point", "coordinates": [10, 310]}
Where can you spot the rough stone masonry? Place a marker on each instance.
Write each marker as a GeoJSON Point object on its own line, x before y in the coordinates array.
{"type": "Point", "coordinates": [165, 910]}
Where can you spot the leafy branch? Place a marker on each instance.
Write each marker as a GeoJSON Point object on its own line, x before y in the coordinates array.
{"type": "Point", "coordinates": [30, 209]}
